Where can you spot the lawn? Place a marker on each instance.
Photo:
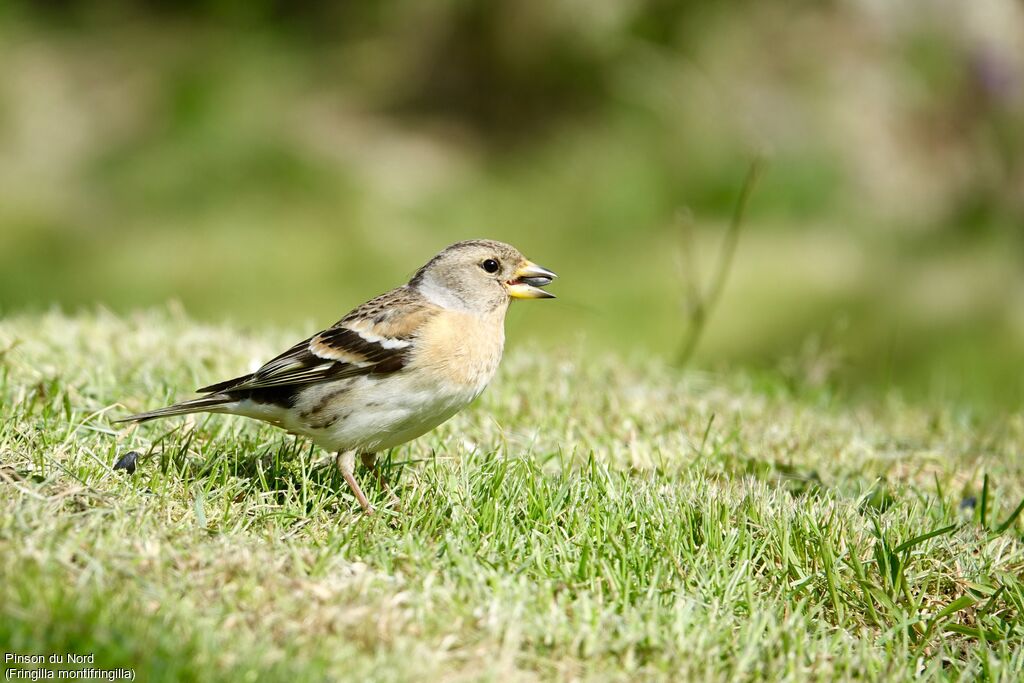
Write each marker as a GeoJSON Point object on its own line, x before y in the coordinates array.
{"type": "Point", "coordinates": [591, 517]}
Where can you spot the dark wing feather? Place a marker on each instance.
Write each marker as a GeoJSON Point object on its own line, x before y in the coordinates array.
{"type": "Point", "coordinates": [375, 338]}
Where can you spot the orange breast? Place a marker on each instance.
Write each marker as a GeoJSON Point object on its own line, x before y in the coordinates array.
{"type": "Point", "coordinates": [461, 349]}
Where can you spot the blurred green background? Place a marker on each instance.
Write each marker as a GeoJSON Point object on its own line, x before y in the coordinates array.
{"type": "Point", "coordinates": [274, 163]}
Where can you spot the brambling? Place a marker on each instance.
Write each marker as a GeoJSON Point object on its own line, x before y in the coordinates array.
{"type": "Point", "coordinates": [392, 369]}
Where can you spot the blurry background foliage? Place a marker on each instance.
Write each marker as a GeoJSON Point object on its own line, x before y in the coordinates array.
{"type": "Point", "coordinates": [274, 163]}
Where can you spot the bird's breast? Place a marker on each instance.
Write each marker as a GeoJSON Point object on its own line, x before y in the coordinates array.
{"type": "Point", "coordinates": [460, 351]}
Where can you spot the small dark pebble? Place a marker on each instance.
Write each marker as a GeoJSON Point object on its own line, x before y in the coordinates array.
{"type": "Point", "coordinates": [127, 462]}
{"type": "Point", "coordinates": [968, 503]}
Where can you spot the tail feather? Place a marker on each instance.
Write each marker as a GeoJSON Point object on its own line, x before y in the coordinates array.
{"type": "Point", "coordinates": [198, 405]}
{"type": "Point", "coordinates": [221, 386]}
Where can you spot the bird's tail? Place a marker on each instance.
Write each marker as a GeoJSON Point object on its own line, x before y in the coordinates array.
{"type": "Point", "coordinates": [198, 405]}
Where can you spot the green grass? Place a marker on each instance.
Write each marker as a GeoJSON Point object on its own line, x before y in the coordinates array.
{"type": "Point", "coordinates": [590, 518]}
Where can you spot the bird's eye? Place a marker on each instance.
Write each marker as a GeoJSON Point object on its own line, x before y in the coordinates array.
{"type": "Point", "coordinates": [490, 265]}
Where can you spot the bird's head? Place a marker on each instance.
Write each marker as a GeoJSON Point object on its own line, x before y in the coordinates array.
{"type": "Point", "coordinates": [481, 276]}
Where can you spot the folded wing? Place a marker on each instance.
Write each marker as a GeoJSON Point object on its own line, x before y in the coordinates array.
{"type": "Point", "coordinates": [375, 338]}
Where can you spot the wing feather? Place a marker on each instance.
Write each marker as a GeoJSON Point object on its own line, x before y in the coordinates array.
{"type": "Point", "coordinates": [375, 338]}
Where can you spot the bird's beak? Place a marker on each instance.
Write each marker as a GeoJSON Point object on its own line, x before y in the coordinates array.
{"type": "Point", "coordinates": [528, 282]}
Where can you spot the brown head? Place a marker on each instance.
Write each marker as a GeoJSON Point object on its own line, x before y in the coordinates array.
{"type": "Point", "coordinates": [481, 276]}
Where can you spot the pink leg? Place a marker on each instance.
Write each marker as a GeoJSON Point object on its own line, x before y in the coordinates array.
{"type": "Point", "coordinates": [346, 463]}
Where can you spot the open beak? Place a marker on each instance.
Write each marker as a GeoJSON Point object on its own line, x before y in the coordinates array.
{"type": "Point", "coordinates": [528, 282]}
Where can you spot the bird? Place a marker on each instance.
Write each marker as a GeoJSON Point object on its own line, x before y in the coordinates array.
{"type": "Point", "coordinates": [393, 368]}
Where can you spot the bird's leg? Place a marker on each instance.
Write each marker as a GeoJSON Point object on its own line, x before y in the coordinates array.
{"type": "Point", "coordinates": [370, 463]}
{"type": "Point", "coordinates": [346, 463]}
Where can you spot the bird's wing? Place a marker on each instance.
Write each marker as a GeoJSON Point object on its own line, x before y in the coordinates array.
{"type": "Point", "coordinates": [375, 338]}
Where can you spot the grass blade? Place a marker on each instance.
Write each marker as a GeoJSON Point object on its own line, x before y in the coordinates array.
{"type": "Point", "coordinates": [984, 500]}
{"type": "Point", "coordinates": [1012, 518]}
{"type": "Point", "coordinates": [916, 540]}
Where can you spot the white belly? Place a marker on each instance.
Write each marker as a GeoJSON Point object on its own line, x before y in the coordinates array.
{"type": "Point", "coordinates": [368, 413]}
{"type": "Point", "coordinates": [386, 412]}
